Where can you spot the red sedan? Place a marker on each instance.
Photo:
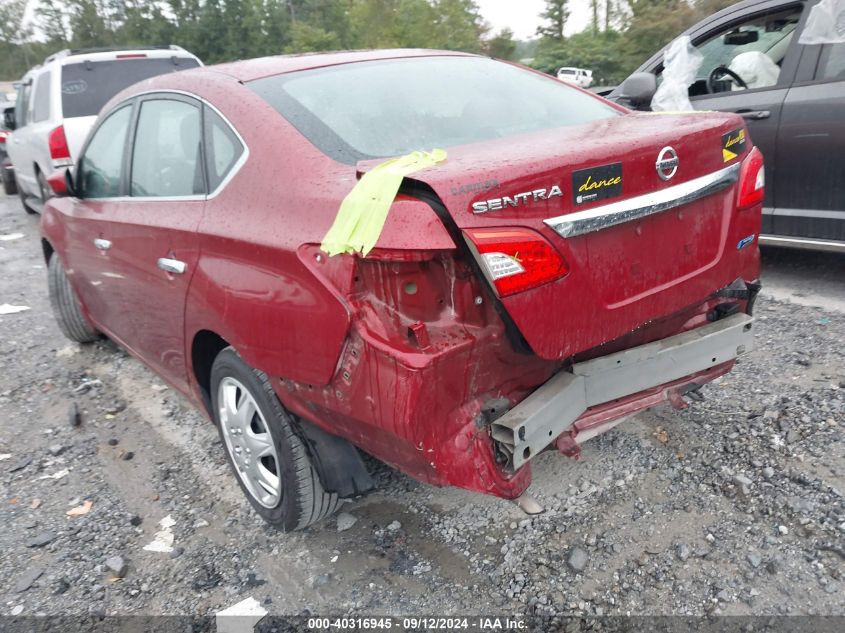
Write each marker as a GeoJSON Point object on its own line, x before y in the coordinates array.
{"type": "Point", "coordinates": [554, 264]}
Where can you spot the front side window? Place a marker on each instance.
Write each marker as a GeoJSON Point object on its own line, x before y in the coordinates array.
{"type": "Point", "coordinates": [41, 99]}
{"type": "Point", "coordinates": [167, 155]}
{"type": "Point", "coordinates": [98, 175]}
{"type": "Point", "coordinates": [753, 50]}
{"type": "Point", "coordinates": [391, 107]}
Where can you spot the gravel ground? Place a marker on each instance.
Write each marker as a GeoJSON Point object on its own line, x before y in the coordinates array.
{"type": "Point", "coordinates": [733, 506]}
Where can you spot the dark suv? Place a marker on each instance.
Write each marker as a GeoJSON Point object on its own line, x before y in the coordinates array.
{"type": "Point", "coordinates": [795, 114]}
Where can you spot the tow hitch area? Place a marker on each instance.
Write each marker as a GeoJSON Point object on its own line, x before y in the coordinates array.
{"type": "Point", "coordinates": [557, 405]}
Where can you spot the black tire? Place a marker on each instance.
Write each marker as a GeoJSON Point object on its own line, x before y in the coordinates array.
{"type": "Point", "coordinates": [45, 191]}
{"type": "Point", "coordinates": [26, 206]}
{"type": "Point", "coordinates": [10, 185]}
{"type": "Point", "coordinates": [302, 500]}
{"type": "Point", "coordinates": [66, 309]}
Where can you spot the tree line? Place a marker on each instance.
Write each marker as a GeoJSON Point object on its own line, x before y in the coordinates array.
{"type": "Point", "coordinates": [621, 35]}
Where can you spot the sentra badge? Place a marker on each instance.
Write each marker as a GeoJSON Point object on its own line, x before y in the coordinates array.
{"type": "Point", "coordinates": [733, 144]}
{"type": "Point", "coordinates": [597, 183]}
{"type": "Point", "coordinates": [516, 200]}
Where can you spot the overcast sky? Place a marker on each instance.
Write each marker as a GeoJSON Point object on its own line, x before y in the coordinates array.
{"type": "Point", "coordinates": [523, 16]}
{"type": "Point", "coordinates": [520, 16]}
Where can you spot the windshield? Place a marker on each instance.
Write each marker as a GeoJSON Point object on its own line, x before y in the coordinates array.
{"type": "Point", "coordinates": [87, 86]}
{"type": "Point", "coordinates": [389, 108]}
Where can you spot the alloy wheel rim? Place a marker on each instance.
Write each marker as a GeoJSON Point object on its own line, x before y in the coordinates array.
{"type": "Point", "coordinates": [249, 442]}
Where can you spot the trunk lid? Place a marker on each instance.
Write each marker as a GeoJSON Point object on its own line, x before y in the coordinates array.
{"type": "Point", "coordinates": [622, 276]}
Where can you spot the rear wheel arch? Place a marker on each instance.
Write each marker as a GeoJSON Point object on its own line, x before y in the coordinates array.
{"type": "Point", "coordinates": [205, 347]}
{"type": "Point", "coordinates": [47, 249]}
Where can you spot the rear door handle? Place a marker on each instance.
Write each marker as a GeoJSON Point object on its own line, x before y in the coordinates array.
{"type": "Point", "coordinates": [754, 115]}
{"type": "Point", "coordinates": [173, 266]}
{"type": "Point", "coordinates": [102, 244]}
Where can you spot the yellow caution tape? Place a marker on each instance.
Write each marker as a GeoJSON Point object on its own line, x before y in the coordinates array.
{"type": "Point", "coordinates": [362, 213]}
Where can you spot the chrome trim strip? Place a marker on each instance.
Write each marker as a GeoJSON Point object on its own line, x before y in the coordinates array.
{"type": "Point", "coordinates": [811, 244]}
{"type": "Point", "coordinates": [574, 224]}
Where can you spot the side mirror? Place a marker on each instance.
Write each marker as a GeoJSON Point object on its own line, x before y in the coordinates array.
{"type": "Point", "coordinates": [9, 119]}
{"type": "Point", "coordinates": [638, 89]}
{"type": "Point", "coordinates": [61, 182]}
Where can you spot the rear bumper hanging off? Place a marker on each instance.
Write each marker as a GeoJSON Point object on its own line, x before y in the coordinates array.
{"type": "Point", "coordinates": [537, 421]}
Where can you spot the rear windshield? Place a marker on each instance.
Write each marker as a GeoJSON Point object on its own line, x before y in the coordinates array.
{"type": "Point", "coordinates": [566, 71]}
{"type": "Point", "coordinates": [87, 86]}
{"type": "Point", "coordinates": [389, 108]}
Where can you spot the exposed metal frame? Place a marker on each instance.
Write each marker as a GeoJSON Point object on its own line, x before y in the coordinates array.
{"type": "Point", "coordinates": [579, 223]}
{"type": "Point", "coordinates": [537, 421]}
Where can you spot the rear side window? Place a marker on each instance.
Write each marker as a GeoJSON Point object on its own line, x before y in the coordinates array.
{"type": "Point", "coordinates": [99, 171]}
{"type": "Point", "coordinates": [167, 156]}
{"type": "Point", "coordinates": [87, 86]}
{"type": "Point", "coordinates": [41, 98]}
{"type": "Point", "coordinates": [223, 149]}
{"type": "Point", "coordinates": [392, 107]}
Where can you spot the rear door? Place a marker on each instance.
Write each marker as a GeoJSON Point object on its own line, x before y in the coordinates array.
{"type": "Point", "coordinates": [152, 231]}
{"type": "Point", "coordinates": [87, 258]}
{"type": "Point", "coordinates": [810, 184]}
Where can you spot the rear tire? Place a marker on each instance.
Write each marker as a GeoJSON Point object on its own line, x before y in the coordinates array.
{"type": "Point", "coordinates": [264, 449]}
{"type": "Point", "coordinates": [26, 206]}
{"type": "Point", "coordinates": [66, 309]}
{"type": "Point", "coordinates": [45, 191]}
{"type": "Point", "coordinates": [10, 185]}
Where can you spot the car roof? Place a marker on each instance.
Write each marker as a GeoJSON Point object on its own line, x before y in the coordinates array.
{"type": "Point", "coordinates": [251, 69]}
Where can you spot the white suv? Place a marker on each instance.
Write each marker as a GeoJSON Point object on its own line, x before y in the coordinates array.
{"type": "Point", "coordinates": [577, 76]}
{"type": "Point", "coordinates": [58, 103]}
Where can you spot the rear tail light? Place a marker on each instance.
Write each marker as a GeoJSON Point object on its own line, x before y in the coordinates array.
{"type": "Point", "coordinates": [752, 180]}
{"type": "Point", "coordinates": [130, 56]}
{"type": "Point", "coordinates": [59, 150]}
{"type": "Point", "coordinates": [515, 260]}
{"type": "Point", "coordinates": [3, 136]}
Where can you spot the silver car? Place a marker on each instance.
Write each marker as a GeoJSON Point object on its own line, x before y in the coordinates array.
{"type": "Point", "coordinates": [58, 103]}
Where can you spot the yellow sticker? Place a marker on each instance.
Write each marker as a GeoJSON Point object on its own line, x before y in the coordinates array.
{"type": "Point", "coordinates": [735, 141]}
{"type": "Point", "coordinates": [363, 212]}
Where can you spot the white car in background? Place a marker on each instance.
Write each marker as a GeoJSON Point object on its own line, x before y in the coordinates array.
{"type": "Point", "coordinates": [578, 76]}
{"type": "Point", "coordinates": [58, 103]}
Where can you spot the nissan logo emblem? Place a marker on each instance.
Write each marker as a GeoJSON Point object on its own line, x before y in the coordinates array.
{"type": "Point", "coordinates": [667, 163]}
